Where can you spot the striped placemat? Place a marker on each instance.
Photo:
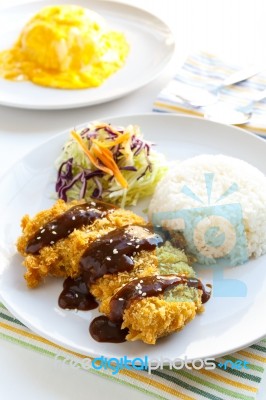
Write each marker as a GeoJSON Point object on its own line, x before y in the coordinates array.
{"type": "Point", "coordinates": [185, 384]}
{"type": "Point", "coordinates": [206, 71]}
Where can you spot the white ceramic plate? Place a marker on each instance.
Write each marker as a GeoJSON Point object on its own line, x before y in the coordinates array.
{"type": "Point", "coordinates": [151, 48]}
{"type": "Point", "coordinates": [227, 324]}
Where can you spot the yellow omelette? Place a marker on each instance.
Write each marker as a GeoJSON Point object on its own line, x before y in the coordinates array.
{"type": "Point", "coordinates": [67, 47]}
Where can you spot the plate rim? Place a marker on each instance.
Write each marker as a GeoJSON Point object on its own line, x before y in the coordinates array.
{"type": "Point", "coordinates": [102, 100]}
{"type": "Point", "coordinates": [64, 132]}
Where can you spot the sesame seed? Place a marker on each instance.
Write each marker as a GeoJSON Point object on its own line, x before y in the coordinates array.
{"type": "Point", "coordinates": [111, 240]}
{"type": "Point", "coordinates": [54, 233]}
{"type": "Point", "coordinates": [159, 289]}
{"type": "Point", "coordinates": [140, 291]}
{"type": "Point", "coordinates": [115, 251]}
{"type": "Point", "coordinates": [130, 244]}
{"type": "Point", "coordinates": [134, 253]}
{"type": "Point", "coordinates": [52, 242]}
{"type": "Point", "coordinates": [141, 281]}
{"type": "Point", "coordinates": [43, 230]}
{"type": "Point", "coordinates": [137, 246]}
{"type": "Point", "coordinates": [92, 203]}
{"type": "Point", "coordinates": [69, 231]}
{"type": "Point", "coordinates": [144, 294]}
{"type": "Point", "coordinates": [120, 299]}
{"type": "Point", "coordinates": [39, 237]}
{"type": "Point", "coordinates": [76, 295]}
{"type": "Point", "coordinates": [53, 226]}
{"type": "Point", "coordinates": [73, 218]}
{"type": "Point", "coordinates": [108, 258]}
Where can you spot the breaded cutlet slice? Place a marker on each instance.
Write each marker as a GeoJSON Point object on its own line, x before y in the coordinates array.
{"type": "Point", "coordinates": [154, 317]}
{"type": "Point", "coordinates": [150, 318]}
{"type": "Point", "coordinates": [165, 259]}
{"type": "Point", "coordinates": [62, 258]}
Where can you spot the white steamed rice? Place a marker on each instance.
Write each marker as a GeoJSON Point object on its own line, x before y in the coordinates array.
{"type": "Point", "coordinates": [250, 194]}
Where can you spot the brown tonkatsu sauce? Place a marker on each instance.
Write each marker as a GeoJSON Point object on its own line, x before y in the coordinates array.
{"type": "Point", "coordinates": [104, 330]}
{"type": "Point", "coordinates": [111, 253]}
{"type": "Point", "coordinates": [64, 224]}
{"type": "Point", "coordinates": [114, 252]}
{"type": "Point", "coordinates": [76, 295]}
{"type": "Point", "coordinates": [149, 286]}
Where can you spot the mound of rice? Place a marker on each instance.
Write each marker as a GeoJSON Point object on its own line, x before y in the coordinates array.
{"type": "Point", "coordinates": [223, 185]}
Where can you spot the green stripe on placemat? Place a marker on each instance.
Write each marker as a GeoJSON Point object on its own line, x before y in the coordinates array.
{"type": "Point", "coordinates": [257, 347]}
{"type": "Point", "coordinates": [217, 384]}
{"type": "Point", "coordinates": [10, 319]}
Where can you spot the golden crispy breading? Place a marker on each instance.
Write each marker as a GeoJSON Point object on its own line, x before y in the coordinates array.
{"type": "Point", "coordinates": [145, 264]}
{"type": "Point", "coordinates": [62, 258]}
{"type": "Point", "coordinates": [151, 318]}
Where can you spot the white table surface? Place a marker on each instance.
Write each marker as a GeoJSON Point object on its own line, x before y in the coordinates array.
{"type": "Point", "coordinates": [235, 30]}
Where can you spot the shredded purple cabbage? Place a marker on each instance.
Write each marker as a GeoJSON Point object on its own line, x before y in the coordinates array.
{"type": "Point", "coordinates": [129, 168]}
{"type": "Point", "coordinates": [97, 193]}
{"type": "Point", "coordinates": [66, 179]}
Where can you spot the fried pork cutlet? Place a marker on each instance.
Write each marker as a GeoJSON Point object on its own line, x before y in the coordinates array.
{"type": "Point", "coordinates": [143, 283]}
{"type": "Point", "coordinates": [61, 257]}
{"type": "Point", "coordinates": [149, 318]}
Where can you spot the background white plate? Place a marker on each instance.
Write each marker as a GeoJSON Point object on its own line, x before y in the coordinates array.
{"type": "Point", "coordinates": [151, 48]}
{"type": "Point", "coordinates": [227, 324]}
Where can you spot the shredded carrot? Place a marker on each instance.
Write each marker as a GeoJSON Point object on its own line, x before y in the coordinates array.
{"type": "Point", "coordinates": [92, 159]}
{"type": "Point", "coordinates": [105, 156]}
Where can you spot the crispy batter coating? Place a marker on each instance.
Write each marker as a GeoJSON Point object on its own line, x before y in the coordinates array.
{"type": "Point", "coordinates": [147, 319]}
{"type": "Point", "coordinates": [62, 258]}
{"type": "Point", "coordinates": [145, 264]}
{"type": "Point", "coordinates": [154, 317]}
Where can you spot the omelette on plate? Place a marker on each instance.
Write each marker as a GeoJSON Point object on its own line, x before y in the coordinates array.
{"type": "Point", "coordinates": [67, 47]}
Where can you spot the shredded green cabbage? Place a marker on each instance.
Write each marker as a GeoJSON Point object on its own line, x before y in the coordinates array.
{"type": "Point", "coordinates": [76, 173]}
